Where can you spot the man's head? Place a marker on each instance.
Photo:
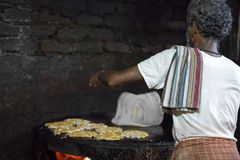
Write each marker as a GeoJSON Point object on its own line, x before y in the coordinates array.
{"type": "Point", "coordinates": [209, 19]}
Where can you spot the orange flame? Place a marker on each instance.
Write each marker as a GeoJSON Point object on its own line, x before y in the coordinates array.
{"type": "Point", "coordinates": [62, 156]}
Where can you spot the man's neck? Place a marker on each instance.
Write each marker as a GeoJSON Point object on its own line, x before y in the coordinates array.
{"type": "Point", "coordinates": [209, 44]}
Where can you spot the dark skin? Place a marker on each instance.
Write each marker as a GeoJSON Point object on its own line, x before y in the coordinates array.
{"type": "Point", "coordinates": [114, 79]}
{"type": "Point", "coordinates": [201, 42]}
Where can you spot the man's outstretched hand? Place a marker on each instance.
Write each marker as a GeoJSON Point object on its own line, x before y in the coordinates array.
{"type": "Point", "coordinates": [95, 80]}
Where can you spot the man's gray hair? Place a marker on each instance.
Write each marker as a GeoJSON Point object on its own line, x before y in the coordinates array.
{"type": "Point", "coordinates": [212, 17]}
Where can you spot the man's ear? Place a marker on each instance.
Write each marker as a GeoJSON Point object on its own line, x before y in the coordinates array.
{"type": "Point", "coordinates": [195, 35]}
{"type": "Point", "coordinates": [195, 28]}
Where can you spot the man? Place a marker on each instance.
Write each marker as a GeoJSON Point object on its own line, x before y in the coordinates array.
{"type": "Point", "coordinates": [204, 130]}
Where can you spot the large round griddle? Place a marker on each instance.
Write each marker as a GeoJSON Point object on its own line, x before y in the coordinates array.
{"type": "Point", "coordinates": [159, 143]}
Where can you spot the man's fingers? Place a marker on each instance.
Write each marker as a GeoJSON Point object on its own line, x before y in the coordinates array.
{"type": "Point", "coordinates": [94, 81]}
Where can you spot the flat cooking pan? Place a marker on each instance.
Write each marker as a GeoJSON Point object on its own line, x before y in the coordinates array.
{"type": "Point", "coordinates": [159, 137]}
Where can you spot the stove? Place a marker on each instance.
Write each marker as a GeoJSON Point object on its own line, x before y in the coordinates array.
{"type": "Point", "coordinates": [158, 146]}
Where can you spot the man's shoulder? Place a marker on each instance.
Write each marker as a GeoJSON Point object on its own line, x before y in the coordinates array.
{"type": "Point", "coordinates": [232, 63]}
{"type": "Point", "coordinates": [177, 47]}
{"type": "Point", "coordinates": [166, 53]}
{"type": "Point", "coordinates": [233, 66]}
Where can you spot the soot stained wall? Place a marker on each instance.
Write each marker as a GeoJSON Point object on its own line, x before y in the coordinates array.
{"type": "Point", "coordinates": [49, 48]}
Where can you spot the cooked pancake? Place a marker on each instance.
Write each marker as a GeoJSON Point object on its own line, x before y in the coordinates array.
{"type": "Point", "coordinates": [58, 131]}
{"type": "Point", "coordinates": [58, 124]}
{"type": "Point", "coordinates": [95, 126]}
{"type": "Point", "coordinates": [134, 134]}
{"type": "Point", "coordinates": [109, 136]}
{"type": "Point", "coordinates": [82, 134]}
{"type": "Point", "coordinates": [77, 121]}
{"type": "Point", "coordinates": [76, 127]}
{"type": "Point", "coordinates": [61, 127]}
{"type": "Point", "coordinates": [109, 129]}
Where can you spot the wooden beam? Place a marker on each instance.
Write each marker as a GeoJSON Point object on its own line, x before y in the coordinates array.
{"type": "Point", "coordinates": [235, 36]}
{"type": "Point", "coordinates": [230, 47]}
{"type": "Point", "coordinates": [238, 39]}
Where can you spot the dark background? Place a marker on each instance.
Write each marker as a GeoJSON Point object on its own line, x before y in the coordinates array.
{"type": "Point", "coordinates": [49, 48]}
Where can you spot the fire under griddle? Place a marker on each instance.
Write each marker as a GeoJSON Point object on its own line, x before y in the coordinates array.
{"type": "Point", "coordinates": [158, 146]}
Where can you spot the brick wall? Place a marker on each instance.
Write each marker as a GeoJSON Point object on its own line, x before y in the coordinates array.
{"type": "Point", "coordinates": [49, 48]}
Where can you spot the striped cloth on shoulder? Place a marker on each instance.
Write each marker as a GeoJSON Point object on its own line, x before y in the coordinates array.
{"type": "Point", "coordinates": [182, 90]}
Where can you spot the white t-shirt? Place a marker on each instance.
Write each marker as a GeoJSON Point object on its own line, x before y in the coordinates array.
{"type": "Point", "coordinates": [220, 100]}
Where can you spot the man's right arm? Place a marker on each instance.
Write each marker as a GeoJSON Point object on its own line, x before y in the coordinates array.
{"type": "Point", "coordinates": [114, 79]}
{"type": "Point", "coordinates": [152, 70]}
